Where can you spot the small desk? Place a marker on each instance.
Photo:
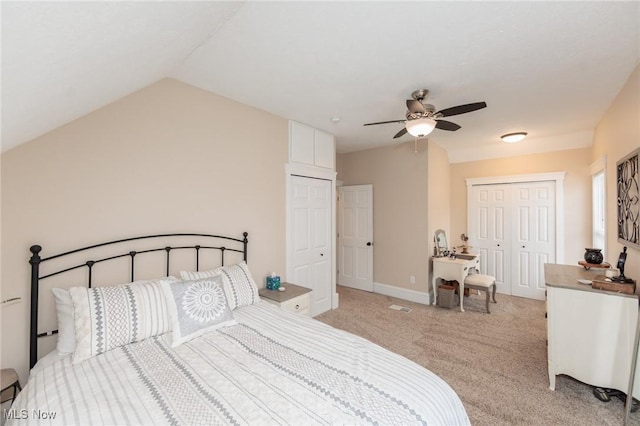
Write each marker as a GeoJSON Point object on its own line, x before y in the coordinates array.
{"type": "Point", "coordinates": [451, 269]}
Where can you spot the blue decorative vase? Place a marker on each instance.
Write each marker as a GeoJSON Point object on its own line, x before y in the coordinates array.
{"type": "Point", "coordinates": [593, 255]}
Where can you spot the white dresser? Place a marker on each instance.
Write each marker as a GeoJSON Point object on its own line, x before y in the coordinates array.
{"type": "Point", "coordinates": [453, 269]}
{"type": "Point", "coordinates": [590, 332]}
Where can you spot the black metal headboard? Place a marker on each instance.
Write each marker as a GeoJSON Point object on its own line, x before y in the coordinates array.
{"type": "Point", "coordinates": [36, 261]}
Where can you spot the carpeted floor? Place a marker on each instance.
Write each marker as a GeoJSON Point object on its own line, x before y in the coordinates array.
{"type": "Point", "coordinates": [497, 363]}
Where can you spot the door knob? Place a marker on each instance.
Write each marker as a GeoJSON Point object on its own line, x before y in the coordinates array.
{"type": "Point", "coordinates": [498, 245]}
{"type": "Point", "coordinates": [369, 243]}
{"type": "Point", "coordinates": [321, 254]}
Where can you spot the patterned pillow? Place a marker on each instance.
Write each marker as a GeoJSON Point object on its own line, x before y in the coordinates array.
{"type": "Point", "coordinates": [197, 307]}
{"type": "Point", "coordinates": [108, 317]}
{"type": "Point", "coordinates": [196, 275]}
{"type": "Point", "coordinates": [242, 289]}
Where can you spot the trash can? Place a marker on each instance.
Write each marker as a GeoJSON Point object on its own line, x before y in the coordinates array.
{"type": "Point", "coordinates": [447, 296]}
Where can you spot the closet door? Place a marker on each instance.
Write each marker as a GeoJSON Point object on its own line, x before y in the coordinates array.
{"type": "Point", "coordinates": [310, 239]}
{"type": "Point", "coordinates": [512, 227]}
{"type": "Point", "coordinates": [533, 207]}
{"type": "Point", "coordinates": [489, 230]}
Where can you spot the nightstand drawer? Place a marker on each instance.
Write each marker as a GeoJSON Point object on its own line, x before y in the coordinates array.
{"type": "Point", "coordinates": [295, 298]}
{"type": "Point", "coordinates": [298, 304]}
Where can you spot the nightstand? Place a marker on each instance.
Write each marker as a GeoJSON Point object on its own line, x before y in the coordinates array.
{"type": "Point", "coordinates": [9, 379]}
{"type": "Point", "coordinates": [294, 299]}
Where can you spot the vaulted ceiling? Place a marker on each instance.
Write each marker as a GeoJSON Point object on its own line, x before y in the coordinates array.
{"type": "Point", "coordinates": [548, 68]}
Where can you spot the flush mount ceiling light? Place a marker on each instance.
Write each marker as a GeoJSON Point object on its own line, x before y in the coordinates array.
{"type": "Point", "coordinates": [514, 137]}
{"type": "Point", "coordinates": [420, 127]}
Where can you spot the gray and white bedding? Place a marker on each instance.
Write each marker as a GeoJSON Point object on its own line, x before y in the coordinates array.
{"type": "Point", "coordinates": [271, 367]}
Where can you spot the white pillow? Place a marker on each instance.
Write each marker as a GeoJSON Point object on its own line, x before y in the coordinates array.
{"type": "Point", "coordinates": [108, 317]}
{"type": "Point", "coordinates": [238, 283]}
{"type": "Point", "coordinates": [197, 307]}
{"type": "Point", "coordinates": [66, 330]}
{"type": "Point", "coordinates": [242, 289]}
{"type": "Point", "coordinates": [196, 275]}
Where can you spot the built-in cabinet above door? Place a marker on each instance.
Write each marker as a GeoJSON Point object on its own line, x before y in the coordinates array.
{"type": "Point", "coordinates": [311, 215]}
{"type": "Point", "coordinates": [311, 146]}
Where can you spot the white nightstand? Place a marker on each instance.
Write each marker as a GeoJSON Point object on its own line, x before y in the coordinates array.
{"type": "Point", "coordinates": [294, 299]}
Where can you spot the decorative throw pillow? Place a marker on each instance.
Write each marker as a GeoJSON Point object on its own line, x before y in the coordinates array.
{"type": "Point", "coordinates": [108, 317]}
{"type": "Point", "coordinates": [196, 275]}
{"type": "Point", "coordinates": [242, 289]}
{"type": "Point", "coordinates": [197, 307]}
{"type": "Point", "coordinates": [66, 329]}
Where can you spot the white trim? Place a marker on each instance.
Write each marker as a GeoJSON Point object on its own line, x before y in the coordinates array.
{"type": "Point", "coordinates": [558, 177]}
{"type": "Point", "coordinates": [535, 177]}
{"type": "Point", "coordinates": [599, 165]}
{"type": "Point", "coordinates": [402, 293]}
{"type": "Point", "coordinates": [299, 169]}
{"type": "Point", "coordinates": [296, 169]}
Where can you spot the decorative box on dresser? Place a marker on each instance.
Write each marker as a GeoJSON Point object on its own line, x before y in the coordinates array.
{"type": "Point", "coordinates": [591, 332]}
{"type": "Point", "coordinates": [295, 298]}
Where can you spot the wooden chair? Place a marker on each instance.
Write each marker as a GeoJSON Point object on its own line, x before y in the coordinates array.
{"type": "Point", "coordinates": [484, 283]}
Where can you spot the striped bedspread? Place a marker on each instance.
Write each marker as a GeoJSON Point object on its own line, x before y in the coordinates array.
{"type": "Point", "coordinates": [273, 367]}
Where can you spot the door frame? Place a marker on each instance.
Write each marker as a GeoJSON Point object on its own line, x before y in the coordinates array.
{"type": "Point", "coordinates": [313, 172]}
{"type": "Point", "coordinates": [557, 177]}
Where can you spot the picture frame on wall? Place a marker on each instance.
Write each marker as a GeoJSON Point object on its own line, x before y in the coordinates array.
{"type": "Point", "coordinates": [628, 201]}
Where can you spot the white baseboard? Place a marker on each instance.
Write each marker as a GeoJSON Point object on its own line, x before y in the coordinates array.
{"type": "Point", "coordinates": [402, 293]}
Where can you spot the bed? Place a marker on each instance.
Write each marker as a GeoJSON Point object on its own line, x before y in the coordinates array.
{"type": "Point", "coordinates": [257, 365]}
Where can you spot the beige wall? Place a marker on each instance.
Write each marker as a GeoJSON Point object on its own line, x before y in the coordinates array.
{"type": "Point", "coordinates": [618, 134]}
{"type": "Point", "coordinates": [577, 191]}
{"type": "Point", "coordinates": [439, 198]}
{"type": "Point", "coordinates": [399, 179]}
{"type": "Point", "coordinates": [168, 158]}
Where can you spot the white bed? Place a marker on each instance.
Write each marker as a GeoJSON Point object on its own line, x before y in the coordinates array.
{"type": "Point", "coordinates": [266, 366]}
{"type": "Point", "coordinates": [273, 367]}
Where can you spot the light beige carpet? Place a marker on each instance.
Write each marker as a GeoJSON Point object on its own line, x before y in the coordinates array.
{"type": "Point", "coordinates": [497, 363]}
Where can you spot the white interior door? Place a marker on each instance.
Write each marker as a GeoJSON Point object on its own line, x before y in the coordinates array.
{"type": "Point", "coordinates": [533, 237]}
{"type": "Point", "coordinates": [355, 236]}
{"type": "Point", "coordinates": [310, 239]}
{"type": "Point", "coordinates": [512, 227]}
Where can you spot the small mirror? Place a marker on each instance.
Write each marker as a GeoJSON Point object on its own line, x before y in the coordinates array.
{"type": "Point", "coordinates": [440, 240]}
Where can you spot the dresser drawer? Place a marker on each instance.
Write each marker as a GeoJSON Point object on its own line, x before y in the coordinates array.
{"type": "Point", "coordinates": [298, 304]}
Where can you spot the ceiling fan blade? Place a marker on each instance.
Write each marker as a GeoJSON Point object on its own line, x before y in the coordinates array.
{"type": "Point", "coordinates": [401, 133]}
{"type": "Point", "coordinates": [462, 109]}
{"type": "Point", "coordinates": [415, 106]}
{"type": "Point", "coordinates": [446, 125]}
{"type": "Point", "coordinates": [384, 122]}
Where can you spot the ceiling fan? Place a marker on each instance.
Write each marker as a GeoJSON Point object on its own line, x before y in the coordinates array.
{"type": "Point", "coordinates": [423, 118]}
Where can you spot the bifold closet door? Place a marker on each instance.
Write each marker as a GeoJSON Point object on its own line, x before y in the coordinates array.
{"type": "Point", "coordinates": [489, 224]}
{"type": "Point", "coordinates": [533, 207]}
{"type": "Point", "coordinates": [512, 227]}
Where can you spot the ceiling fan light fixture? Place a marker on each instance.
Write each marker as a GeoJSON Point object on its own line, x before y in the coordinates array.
{"type": "Point", "coordinates": [513, 137]}
{"type": "Point", "coordinates": [420, 127]}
